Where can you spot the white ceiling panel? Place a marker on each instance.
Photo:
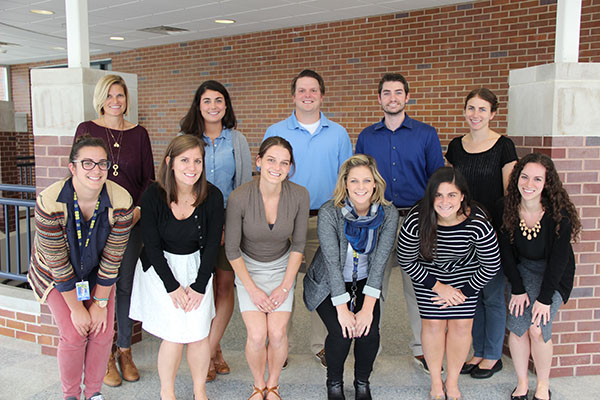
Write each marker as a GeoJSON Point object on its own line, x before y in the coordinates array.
{"type": "Point", "coordinates": [37, 34]}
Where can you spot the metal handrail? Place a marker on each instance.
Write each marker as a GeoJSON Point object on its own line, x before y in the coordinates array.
{"type": "Point", "coordinates": [29, 205]}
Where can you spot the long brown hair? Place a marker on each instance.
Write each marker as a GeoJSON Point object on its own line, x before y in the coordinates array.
{"type": "Point", "coordinates": [166, 176]}
{"type": "Point", "coordinates": [193, 122]}
{"type": "Point", "coordinates": [554, 197]}
{"type": "Point", "coordinates": [428, 220]}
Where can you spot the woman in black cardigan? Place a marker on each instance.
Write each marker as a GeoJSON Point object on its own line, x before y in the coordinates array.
{"type": "Point", "coordinates": [539, 223]}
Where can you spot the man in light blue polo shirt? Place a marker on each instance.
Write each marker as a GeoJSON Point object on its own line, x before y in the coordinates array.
{"type": "Point", "coordinates": [320, 147]}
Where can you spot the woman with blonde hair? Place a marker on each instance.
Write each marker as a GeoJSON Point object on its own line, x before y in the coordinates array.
{"type": "Point", "coordinates": [132, 167]}
{"type": "Point", "coordinates": [357, 229]}
{"type": "Point", "coordinates": [182, 221]}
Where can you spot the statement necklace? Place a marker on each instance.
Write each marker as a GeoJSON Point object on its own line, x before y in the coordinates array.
{"type": "Point", "coordinates": [530, 233]}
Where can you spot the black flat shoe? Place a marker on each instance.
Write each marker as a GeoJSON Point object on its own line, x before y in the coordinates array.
{"type": "Point", "coordinates": [480, 373]}
{"type": "Point", "coordinates": [521, 397]}
{"type": "Point", "coordinates": [363, 390]}
{"type": "Point", "coordinates": [549, 396]}
{"type": "Point", "coordinates": [335, 390]}
{"type": "Point", "coordinates": [467, 368]}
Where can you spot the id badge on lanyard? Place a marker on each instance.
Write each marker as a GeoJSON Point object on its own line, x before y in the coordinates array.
{"type": "Point", "coordinates": [83, 287]}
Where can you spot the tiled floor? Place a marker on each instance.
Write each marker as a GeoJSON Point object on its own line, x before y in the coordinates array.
{"type": "Point", "coordinates": [26, 374]}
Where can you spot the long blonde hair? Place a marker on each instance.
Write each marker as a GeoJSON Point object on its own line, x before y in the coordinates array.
{"type": "Point", "coordinates": [359, 160]}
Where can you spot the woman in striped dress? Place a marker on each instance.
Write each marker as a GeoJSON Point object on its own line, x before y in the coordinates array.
{"type": "Point", "coordinates": [449, 249]}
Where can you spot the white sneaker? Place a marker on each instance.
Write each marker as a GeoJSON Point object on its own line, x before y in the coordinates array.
{"type": "Point", "coordinates": [96, 396]}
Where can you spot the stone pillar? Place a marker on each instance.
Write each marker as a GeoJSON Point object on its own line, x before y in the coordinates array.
{"type": "Point", "coordinates": [60, 100]}
{"type": "Point", "coordinates": [78, 44]}
{"type": "Point", "coordinates": [554, 109]}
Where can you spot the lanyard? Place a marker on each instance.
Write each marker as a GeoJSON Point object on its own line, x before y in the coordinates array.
{"type": "Point", "coordinates": [78, 226]}
{"type": "Point", "coordinates": [354, 287]}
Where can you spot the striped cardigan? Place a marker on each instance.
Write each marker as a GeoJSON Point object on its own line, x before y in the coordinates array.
{"type": "Point", "coordinates": [50, 262]}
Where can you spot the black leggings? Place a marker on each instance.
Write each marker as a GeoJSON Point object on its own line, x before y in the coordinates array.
{"type": "Point", "coordinates": [337, 347]}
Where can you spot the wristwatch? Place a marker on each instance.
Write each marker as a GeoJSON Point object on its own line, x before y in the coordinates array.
{"type": "Point", "coordinates": [102, 303]}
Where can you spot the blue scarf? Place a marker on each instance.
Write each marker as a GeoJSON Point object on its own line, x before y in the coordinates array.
{"type": "Point", "coordinates": [361, 231]}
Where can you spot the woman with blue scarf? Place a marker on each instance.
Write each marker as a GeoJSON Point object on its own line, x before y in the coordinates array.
{"type": "Point", "coordinates": [356, 231]}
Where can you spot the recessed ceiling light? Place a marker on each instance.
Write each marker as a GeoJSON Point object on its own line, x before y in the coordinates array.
{"type": "Point", "coordinates": [117, 38]}
{"type": "Point", "coordinates": [224, 21]}
{"type": "Point", "coordinates": [58, 48]}
{"type": "Point", "coordinates": [42, 12]}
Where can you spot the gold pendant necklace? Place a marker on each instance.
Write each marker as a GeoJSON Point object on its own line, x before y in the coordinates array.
{"type": "Point", "coordinates": [116, 144]}
{"type": "Point", "coordinates": [530, 233]}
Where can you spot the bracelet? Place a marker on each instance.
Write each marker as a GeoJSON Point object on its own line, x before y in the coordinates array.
{"type": "Point", "coordinates": [96, 298]}
{"type": "Point", "coordinates": [284, 290]}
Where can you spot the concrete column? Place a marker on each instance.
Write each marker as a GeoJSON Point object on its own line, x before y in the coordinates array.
{"type": "Point", "coordinates": [78, 46]}
{"type": "Point", "coordinates": [568, 22]}
{"type": "Point", "coordinates": [62, 98]}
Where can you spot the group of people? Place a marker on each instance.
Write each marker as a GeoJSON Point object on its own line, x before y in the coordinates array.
{"type": "Point", "coordinates": [113, 240]}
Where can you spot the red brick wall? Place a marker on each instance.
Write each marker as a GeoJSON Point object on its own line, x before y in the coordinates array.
{"type": "Point", "coordinates": [444, 53]}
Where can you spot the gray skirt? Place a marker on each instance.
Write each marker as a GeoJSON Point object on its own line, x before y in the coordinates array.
{"type": "Point", "coordinates": [267, 276]}
{"type": "Point", "coordinates": [532, 274]}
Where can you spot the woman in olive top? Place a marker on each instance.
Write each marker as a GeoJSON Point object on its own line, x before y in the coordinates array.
{"type": "Point", "coordinates": [262, 216]}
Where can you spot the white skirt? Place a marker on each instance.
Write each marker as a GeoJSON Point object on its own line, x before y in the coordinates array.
{"type": "Point", "coordinates": [152, 305]}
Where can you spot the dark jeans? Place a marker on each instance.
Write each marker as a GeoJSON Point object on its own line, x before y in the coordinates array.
{"type": "Point", "coordinates": [124, 284]}
{"type": "Point", "coordinates": [337, 347]}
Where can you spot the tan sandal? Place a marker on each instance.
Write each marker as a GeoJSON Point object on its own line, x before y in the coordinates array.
{"type": "Point", "coordinates": [257, 391]}
{"type": "Point", "coordinates": [221, 367]}
{"type": "Point", "coordinates": [211, 375]}
{"type": "Point", "coordinates": [274, 390]}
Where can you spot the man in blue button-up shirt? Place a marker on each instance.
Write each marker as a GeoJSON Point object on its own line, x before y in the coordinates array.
{"type": "Point", "coordinates": [407, 152]}
{"type": "Point", "coordinates": [320, 147]}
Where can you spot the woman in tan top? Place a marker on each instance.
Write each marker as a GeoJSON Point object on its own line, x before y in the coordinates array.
{"type": "Point", "coordinates": [262, 216]}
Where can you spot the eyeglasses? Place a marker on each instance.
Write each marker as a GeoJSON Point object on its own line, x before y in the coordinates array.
{"type": "Point", "coordinates": [89, 165]}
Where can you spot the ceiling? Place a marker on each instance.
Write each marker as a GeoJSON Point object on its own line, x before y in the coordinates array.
{"type": "Point", "coordinates": [27, 37]}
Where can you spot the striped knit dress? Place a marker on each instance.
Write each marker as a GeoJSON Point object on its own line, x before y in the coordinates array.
{"type": "Point", "coordinates": [467, 258]}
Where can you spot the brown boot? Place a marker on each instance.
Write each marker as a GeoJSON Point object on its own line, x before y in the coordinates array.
{"type": "Point", "coordinates": [112, 377]}
{"type": "Point", "coordinates": [127, 366]}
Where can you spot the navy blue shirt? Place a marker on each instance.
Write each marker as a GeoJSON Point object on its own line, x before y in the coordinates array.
{"type": "Point", "coordinates": [406, 157]}
{"type": "Point", "coordinates": [93, 252]}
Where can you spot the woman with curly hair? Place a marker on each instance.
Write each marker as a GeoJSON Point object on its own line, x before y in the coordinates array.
{"type": "Point", "coordinates": [537, 257]}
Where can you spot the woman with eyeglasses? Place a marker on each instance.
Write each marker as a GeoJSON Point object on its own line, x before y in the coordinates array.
{"type": "Point", "coordinates": [82, 228]}
{"type": "Point", "coordinates": [132, 167]}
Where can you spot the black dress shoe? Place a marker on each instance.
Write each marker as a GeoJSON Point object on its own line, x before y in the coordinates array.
{"type": "Point", "coordinates": [521, 397]}
{"type": "Point", "coordinates": [335, 390]}
{"type": "Point", "coordinates": [480, 373]}
{"type": "Point", "coordinates": [467, 368]}
{"type": "Point", "coordinates": [363, 390]}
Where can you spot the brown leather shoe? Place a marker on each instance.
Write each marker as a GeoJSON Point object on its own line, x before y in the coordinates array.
{"type": "Point", "coordinates": [212, 371]}
{"type": "Point", "coordinates": [112, 377]}
{"type": "Point", "coordinates": [221, 367]}
{"type": "Point", "coordinates": [127, 366]}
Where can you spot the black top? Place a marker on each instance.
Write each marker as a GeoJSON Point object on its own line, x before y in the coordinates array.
{"type": "Point", "coordinates": [161, 231]}
{"type": "Point", "coordinates": [555, 249]}
{"type": "Point", "coordinates": [483, 171]}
